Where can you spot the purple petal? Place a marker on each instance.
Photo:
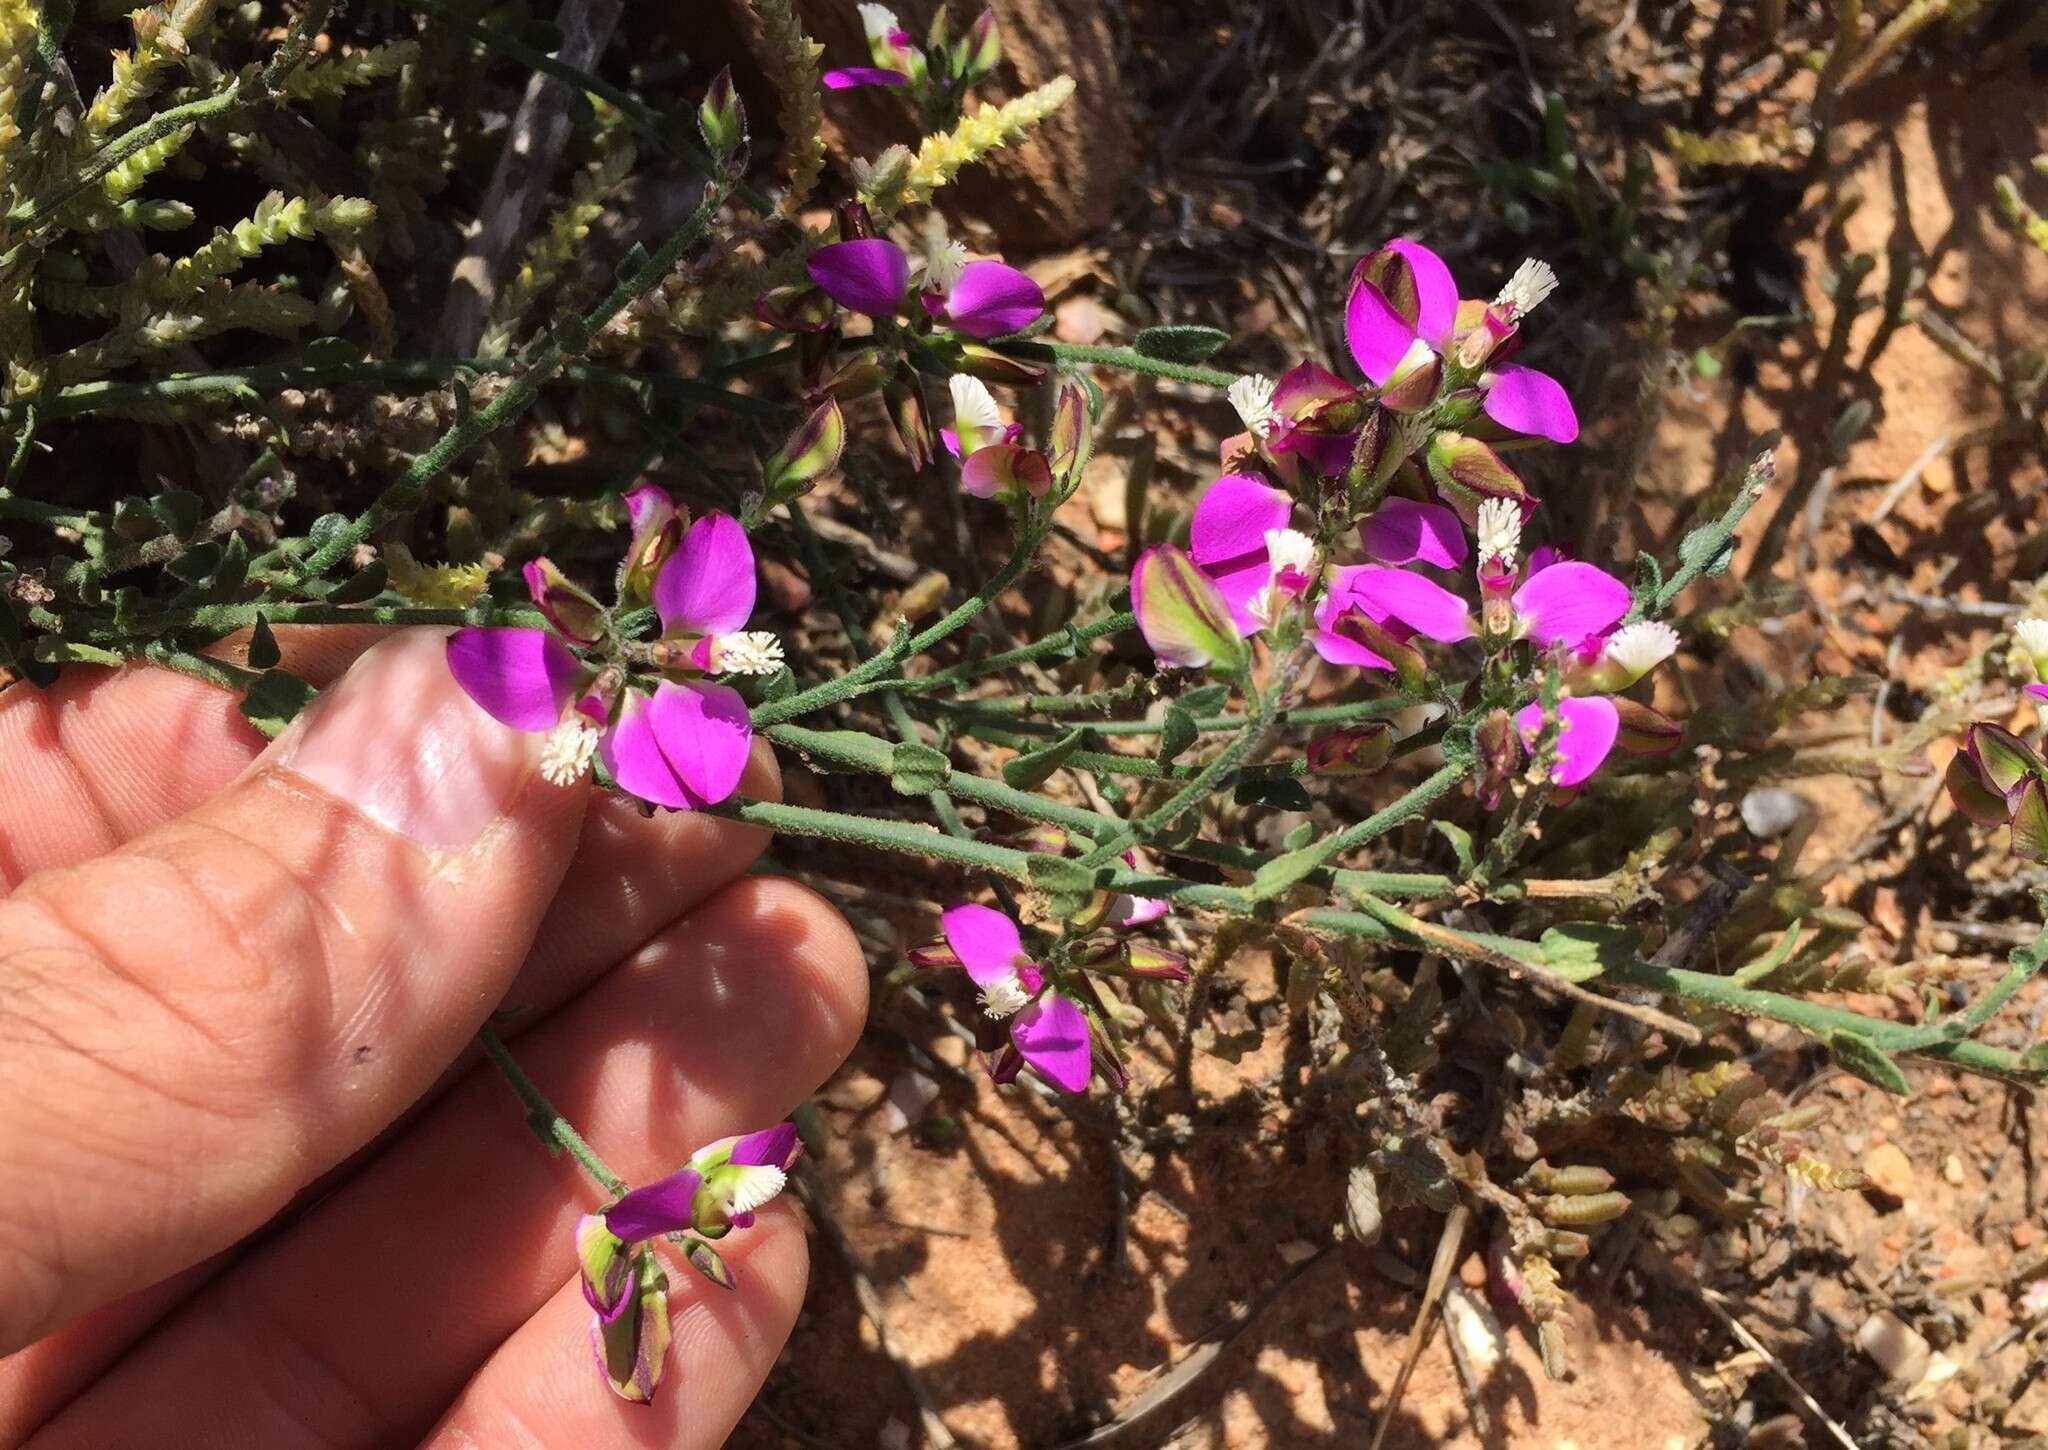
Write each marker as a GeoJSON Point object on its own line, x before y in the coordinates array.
{"type": "Point", "coordinates": [648, 506]}
{"type": "Point", "coordinates": [1585, 733]}
{"type": "Point", "coordinates": [1052, 1034]}
{"type": "Point", "coordinates": [868, 274]}
{"type": "Point", "coordinates": [991, 299]}
{"type": "Point", "coordinates": [1530, 402]}
{"type": "Point", "coordinates": [776, 1147]}
{"type": "Point", "coordinates": [520, 677]}
{"type": "Point", "coordinates": [1380, 330]}
{"type": "Point", "coordinates": [985, 940]}
{"type": "Point", "coordinates": [684, 747]}
{"type": "Point", "coordinates": [1341, 649]}
{"type": "Point", "coordinates": [2039, 692]}
{"type": "Point", "coordinates": [1327, 453]}
{"type": "Point", "coordinates": [707, 585]}
{"type": "Point", "coordinates": [655, 1209]}
{"type": "Point", "coordinates": [1567, 602]}
{"type": "Point", "coordinates": [847, 77]}
{"type": "Point", "coordinates": [1227, 537]}
{"type": "Point", "coordinates": [1006, 467]}
{"type": "Point", "coordinates": [1379, 336]}
{"type": "Point", "coordinates": [1424, 605]}
{"type": "Point", "coordinates": [1128, 911]}
{"type": "Point", "coordinates": [1305, 386]}
{"type": "Point", "coordinates": [1402, 531]}
{"type": "Point", "coordinates": [1436, 294]}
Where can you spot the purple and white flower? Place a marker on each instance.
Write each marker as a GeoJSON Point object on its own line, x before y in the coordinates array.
{"type": "Point", "coordinates": [1048, 1032]}
{"type": "Point", "coordinates": [897, 60]}
{"type": "Point", "coordinates": [2031, 635]}
{"type": "Point", "coordinates": [871, 275]}
{"type": "Point", "coordinates": [678, 740]}
{"type": "Point", "coordinates": [1406, 325]}
{"type": "Point", "coordinates": [721, 1188]}
{"type": "Point", "coordinates": [993, 464]}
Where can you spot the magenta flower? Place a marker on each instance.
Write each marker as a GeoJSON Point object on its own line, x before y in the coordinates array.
{"type": "Point", "coordinates": [720, 1189]}
{"type": "Point", "coordinates": [666, 735]}
{"type": "Point", "coordinates": [1239, 537]}
{"type": "Point", "coordinates": [981, 299]}
{"type": "Point", "coordinates": [993, 463]}
{"type": "Point", "coordinates": [1406, 325]}
{"type": "Point", "coordinates": [895, 54]}
{"type": "Point", "coordinates": [2031, 636]}
{"type": "Point", "coordinates": [1048, 1032]}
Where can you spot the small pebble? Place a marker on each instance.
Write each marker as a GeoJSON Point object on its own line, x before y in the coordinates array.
{"type": "Point", "coordinates": [1295, 1251]}
{"type": "Point", "coordinates": [1952, 1170]}
{"type": "Point", "coordinates": [1890, 1171]}
{"type": "Point", "coordinates": [1771, 811]}
{"type": "Point", "coordinates": [894, 1435]}
{"type": "Point", "coordinates": [1478, 1332]}
{"type": "Point", "coordinates": [1895, 1347]}
{"type": "Point", "coordinates": [909, 1095]}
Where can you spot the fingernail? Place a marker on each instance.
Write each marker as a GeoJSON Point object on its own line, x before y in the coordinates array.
{"type": "Point", "coordinates": [399, 740]}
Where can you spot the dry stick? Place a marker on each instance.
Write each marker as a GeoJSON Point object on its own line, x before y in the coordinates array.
{"type": "Point", "coordinates": [519, 186]}
{"type": "Point", "coordinates": [1717, 1301]}
{"type": "Point", "coordinates": [1452, 942]}
{"type": "Point", "coordinates": [1418, 1334]}
{"type": "Point", "coordinates": [871, 1305]}
{"type": "Point", "coordinates": [1905, 481]}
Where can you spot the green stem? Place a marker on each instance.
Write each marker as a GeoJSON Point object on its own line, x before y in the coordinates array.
{"type": "Point", "coordinates": [870, 673]}
{"type": "Point", "coordinates": [1206, 724]}
{"type": "Point", "coordinates": [1127, 358]}
{"type": "Point", "coordinates": [548, 1125]}
{"type": "Point", "coordinates": [1065, 642]}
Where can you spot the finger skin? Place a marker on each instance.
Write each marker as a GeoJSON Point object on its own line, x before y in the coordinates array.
{"type": "Point", "coordinates": [104, 755]}
{"type": "Point", "coordinates": [541, 1391]}
{"type": "Point", "coordinates": [631, 874]}
{"type": "Point", "coordinates": [361, 1325]}
{"type": "Point", "coordinates": [195, 1026]}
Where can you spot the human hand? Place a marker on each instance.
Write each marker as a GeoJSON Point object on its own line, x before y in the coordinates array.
{"type": "Point", "coordinates": [251, 1191]}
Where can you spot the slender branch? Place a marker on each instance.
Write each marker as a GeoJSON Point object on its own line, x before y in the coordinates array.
{"type": "Point", "coordinates": [554, 1130]}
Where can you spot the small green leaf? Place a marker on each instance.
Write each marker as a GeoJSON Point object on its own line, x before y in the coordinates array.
{"type": "Point", "coordinates": [1029, 771]}
{"type": "Point", "coordinates": [2034, 1061]}
{"type": "Point", "coordinates": [1176, 733]}
{"type": "Point", "coordinates": [326, 529]}
{"type": "Point", "coordinates": [1461, 845]}
{"type": "Point", "coordinates": [1205, 699]}
{"type": "Point", "coordinates": [1068, 885]}
{"type": "Point", "coordinates": [274, 699]}
{"type": "Point", "coordinates": [197, 563]}
{"type": "Point", "coordinates": [1300, 836]}
{"type": "Point", "coordinates": [263, 651]}
{"type": "Point", "coordinates": [1860, 1057]}
{"type": "Point", "coordinates": [1579, 951]}
{"type": "Point", "coordinates": [1180, 342]}
{"type": "Point", "coordinates": [1706, 364]}
{"type": "Point", "coordinates": [1275, 793]}
{"type": "Point", "coordinates": [918, 769]}
{"type": "Point", "coordinates": [1282, 872]}
{"type": "Point", "coordinates": [180, 509]}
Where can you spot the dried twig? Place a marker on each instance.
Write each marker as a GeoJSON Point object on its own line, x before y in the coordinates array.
{"type": "Point", "coordinates": [1440, 1268]}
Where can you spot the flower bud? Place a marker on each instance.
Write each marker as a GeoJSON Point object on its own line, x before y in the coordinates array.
{"type": "Point", "coordinates": [606, 1266]}
{"type": "Point", "coordinates": [721, 118]}
{"type": "Point", "coordinates": [1467, 472]}
{"type": "Point", "coordinates": [905, 399]}
{"type": "Point", "coordinates": [569, 609]}
{"type": "Point", "coordinates": [2003, 759]}
{"type": "Point", "coordinates": [1182, 614]}
{"type": "Point", "coordinates": [632, 1347]}
{"type": "Point", "coordinates": [1359, 750]}
{"type": "Point", "coordinates": [1145, 959]}
{"type": "Point", "coordinates": [980, 49]}
{"type": "Point", "coordinates": [810, 453]}
{"type": "Point", "coordinates": [1499, 753]}
{"type": "Point", "coordinates": [1644, 731]}
{"type": "Point", "coordinates": [933, 954]}
{"type": "Point", "coordinates": [1072, 436]}
{"type": "Point", "coordinates": [991, 366]}
{"type": "Point", "coordinates": [657, 529]}
{"type": "Point", "coordinates": [854, 378]}
{"type": "Point", "coordinates": [2030, 821]}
